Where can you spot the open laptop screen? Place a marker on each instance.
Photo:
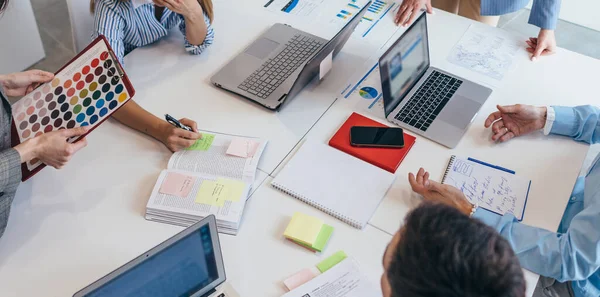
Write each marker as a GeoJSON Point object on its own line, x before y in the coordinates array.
{"type": "Point", "coordinates": [181, 269]}
{"type": "Point", "coordinates": [404, 63]}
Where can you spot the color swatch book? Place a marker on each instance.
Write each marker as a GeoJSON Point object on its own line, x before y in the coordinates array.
{"type": "Point", "coordinates": [492, 187]}
{"type": "Point", "coordinates": [213, 176]}
{"type": "Point", "coordinates": [308, 232]}
{"type": "Point", "coordinates": [342, 280]}
{"type": "Point", "coordinates": [85, 92]}
{"type": "Point", "coordinates": [334, 182]}
{"type": "Point", "coordinates": [386, 158]}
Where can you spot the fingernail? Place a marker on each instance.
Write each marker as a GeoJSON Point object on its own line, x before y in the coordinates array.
{"type": "Point", "coordinates": [533, 59]}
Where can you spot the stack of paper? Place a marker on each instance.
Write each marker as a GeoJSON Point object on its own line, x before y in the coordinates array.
{"type": "Point", "coordinates": [308, 232]}
{"type": "Point", "coordinates": [213, 176]}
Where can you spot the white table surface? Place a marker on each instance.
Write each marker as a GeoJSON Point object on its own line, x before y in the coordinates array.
{"type": "Point", "coordinates": [552, 163]}
{"type": "Point", "coordinates": [70, 227]}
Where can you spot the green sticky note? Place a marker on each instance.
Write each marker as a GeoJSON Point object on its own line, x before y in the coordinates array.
{"type": "Point", "coordinates": [202, 144]}
{"type": "Point", "coordinates": [331, 261]}
{"type": "Point", "coordinates": [323, 238]}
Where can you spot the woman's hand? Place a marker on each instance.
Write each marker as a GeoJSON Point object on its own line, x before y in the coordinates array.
{"type": "Point", "coordinates": [410, 9]}
{"type": "Point", "coordinates": [177, 139]}
{"type": "Point", "coordinates": [22, 83]}
{"type": "Point", "coordinates": [438, 193]}
{"type": "Point", "coordinates": [543, 45]}
{"type": "Point", "coordinates": [187, 8]}
{"type": "Point", "coordinates": [52, 148]}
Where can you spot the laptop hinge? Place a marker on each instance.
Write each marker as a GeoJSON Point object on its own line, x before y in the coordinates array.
{"type": "Point", "coordinates": [282, 97]}
{"type": "Point", "coordinates": [209, 293]}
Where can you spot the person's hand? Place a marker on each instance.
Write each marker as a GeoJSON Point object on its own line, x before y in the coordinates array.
{"type": "Point", "coordinates": [410, 9]}
{"type": "Point", "coordinates": [187, 8]}
{"type": "Point", "coordinates": [22, 83]}
{"type": "Point", "coordinates": [52, 148]}
{"type": "Point", "coordinates": [543, 45]}
{"type": "Point", "coordinates": [515, 120]}
{"type": "Point", "coordinates": [438, 193]}
{"type": "Point", "coordinates": [177, 139]}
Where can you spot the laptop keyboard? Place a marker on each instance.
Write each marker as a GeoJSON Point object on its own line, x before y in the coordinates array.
{"type": "Point", "coordinates": [427, 103]}
{"type": "Point", "coordinates": [275, 71]}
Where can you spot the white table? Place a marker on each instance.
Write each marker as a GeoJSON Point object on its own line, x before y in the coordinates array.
{"type": "Point", "coordinates": [552, 163]}
{"type": "Point", "coordinates": [71, 227]}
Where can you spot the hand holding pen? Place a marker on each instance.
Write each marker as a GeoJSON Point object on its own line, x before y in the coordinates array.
{"type": "Point", "coordinates": [180, 134]}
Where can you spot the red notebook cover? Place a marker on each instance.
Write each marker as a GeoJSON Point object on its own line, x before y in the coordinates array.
{"type": "Point", "coordinates": [386, 158]}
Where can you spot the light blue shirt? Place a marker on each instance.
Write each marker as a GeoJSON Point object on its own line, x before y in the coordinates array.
{"type": "Point", "coordinates": [127, 28]}
{"type": "Point", "coordinates": [572, 253]}
{"type": "Point", "coordinates": [544, 13]}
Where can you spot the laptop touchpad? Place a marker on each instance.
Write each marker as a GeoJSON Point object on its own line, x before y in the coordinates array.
{"type": "Point", "coordinates": [262, 48]}
{"type": "Point", "coordinates": [459, 112]}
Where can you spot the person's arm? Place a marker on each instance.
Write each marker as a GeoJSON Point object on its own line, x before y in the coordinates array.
{"type": "Point", "coordinates": [569, 256]}
{"type": "Point", "coordinates": [544, 14]}
{"type": "Point", "coordinates": [10, 168]}
{"type": "Point", "coordinates": [582, 123]}
{"type": "Point", "coordinates": [198, 33]}
{"type": "Point", "coordinates": [109, 23]}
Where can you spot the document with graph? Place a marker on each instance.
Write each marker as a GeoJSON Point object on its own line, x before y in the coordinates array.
{"type": "Point", "coordinates": [492, 187]}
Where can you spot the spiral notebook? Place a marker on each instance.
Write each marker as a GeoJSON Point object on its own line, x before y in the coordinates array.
{"type": "Point", "coordinates": [492, 187]}
{"type": "Point", "coordinates": [339, 184]}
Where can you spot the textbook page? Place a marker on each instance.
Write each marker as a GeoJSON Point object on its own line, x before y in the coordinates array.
{"type": "Point", "coordinates": [186, 203]}
{"type": "Point", "coordinates": [343, 280]}
{"type": "Point", "coordinates": [209, 156]}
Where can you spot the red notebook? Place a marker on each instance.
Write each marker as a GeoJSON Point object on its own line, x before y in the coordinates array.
{"type": "Point", "coordinates": [386, 158]}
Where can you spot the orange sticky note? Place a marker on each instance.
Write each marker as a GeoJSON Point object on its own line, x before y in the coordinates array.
{"type": "Point", "coordinates": [177, 184]}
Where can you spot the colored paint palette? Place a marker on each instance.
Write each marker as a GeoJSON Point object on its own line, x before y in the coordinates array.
{"type": "Point", "coordinates": [83, 93]}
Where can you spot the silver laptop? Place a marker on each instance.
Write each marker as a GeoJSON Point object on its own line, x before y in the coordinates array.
{"type": "Point", "coordinates": [187, 264]}
{"type": "Point", "coordinates": [423, 99]}
{"type": "Point", "coordinates": [281, 62]}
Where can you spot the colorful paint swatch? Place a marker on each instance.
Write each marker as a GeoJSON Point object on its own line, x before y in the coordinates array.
{"type": "Point", "coordinates": [75, 97]}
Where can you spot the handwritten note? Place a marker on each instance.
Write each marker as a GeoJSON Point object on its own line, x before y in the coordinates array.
{"type": "Point", "coordinates": [202, 144]}
{"type": "Point", "coordinates": [242, 147]}
{"type": "Point", "coordinates": [177, 184]}
{"type": "Point", "coordinates": [217, 192]}
{"type": "Point", "coordinates": [493, 189]}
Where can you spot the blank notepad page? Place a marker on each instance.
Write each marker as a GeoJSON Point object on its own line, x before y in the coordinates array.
{"type": "Point", "coordinates": [335, 182]}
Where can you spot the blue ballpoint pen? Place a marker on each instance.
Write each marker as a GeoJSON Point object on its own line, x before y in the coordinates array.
{"type": "Point", "coordinates": [173, 121]}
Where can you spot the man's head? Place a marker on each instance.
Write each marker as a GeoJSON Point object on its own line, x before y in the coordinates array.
{"type": "Point", "coordinates": [442, 252]}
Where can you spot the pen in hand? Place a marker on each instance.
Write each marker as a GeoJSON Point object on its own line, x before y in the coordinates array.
{"type": "Point", "coordinates": [173, 121]}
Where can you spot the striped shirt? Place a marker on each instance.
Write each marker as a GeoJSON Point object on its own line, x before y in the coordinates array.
{"type": "Point", "coordinates": [544, 13]}
{"type": "Point", "coordinates": [128, 28]}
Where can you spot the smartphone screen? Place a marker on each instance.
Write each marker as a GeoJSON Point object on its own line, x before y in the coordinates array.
{"type": "Point", "coordinates": [377, 137]}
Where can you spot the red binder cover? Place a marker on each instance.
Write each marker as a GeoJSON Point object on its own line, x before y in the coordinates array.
{"type": "Point", "coordinates": [386, 158]}
{"type": "Point", "coordinates": [55, 105]}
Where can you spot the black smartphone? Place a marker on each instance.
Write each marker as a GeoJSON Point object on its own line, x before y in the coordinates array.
{"type": "Point", "coordinates": [376, 137]}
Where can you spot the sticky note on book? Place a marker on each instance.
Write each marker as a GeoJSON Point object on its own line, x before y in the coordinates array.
{"type": "Point", "coordinates": [308, 232]}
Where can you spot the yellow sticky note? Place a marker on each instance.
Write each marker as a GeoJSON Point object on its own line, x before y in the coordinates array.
{"type": "Point", "coordinates": [212, 192]}
{"type": "Point", "coordinates": [303, 228]}
{"type": "Point", "coordinates": [235, 188]}
{"type": "Point", "coordinates": [202, 144]}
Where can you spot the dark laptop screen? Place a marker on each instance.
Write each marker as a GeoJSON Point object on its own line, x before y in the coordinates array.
{"type": "Point", "coordinates": [180, 270]}
{"type": "Point", "coordinates": [404, 63]}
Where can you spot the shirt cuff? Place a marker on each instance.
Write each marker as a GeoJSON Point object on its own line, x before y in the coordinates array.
{"type": "Point", "coordinates": [487, 217]}
{"type": "Point", "coordinates": [550, 116]}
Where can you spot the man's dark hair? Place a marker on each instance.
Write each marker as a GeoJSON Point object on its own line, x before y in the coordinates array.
{"type": "Point", "coordinates": [3, 4]}
{"type": "Point", "coordinates": [445, 253]}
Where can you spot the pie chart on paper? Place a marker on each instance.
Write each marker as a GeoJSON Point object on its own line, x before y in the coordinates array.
{"type": "Point", "coordinates": [368, 93]}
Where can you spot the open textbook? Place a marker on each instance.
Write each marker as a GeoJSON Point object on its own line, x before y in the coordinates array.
{"type": "Point", "coordinates": [213, 176]}
{"type": "Point", "coordinates": [342, 280]}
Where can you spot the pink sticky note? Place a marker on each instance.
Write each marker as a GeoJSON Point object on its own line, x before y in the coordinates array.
{"type": "Point", "coordinates": [242, 147]}
{"type": "Point", "coordinates": [177, 184]}
{"type": "Point", "coordinates": [299, 278]}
